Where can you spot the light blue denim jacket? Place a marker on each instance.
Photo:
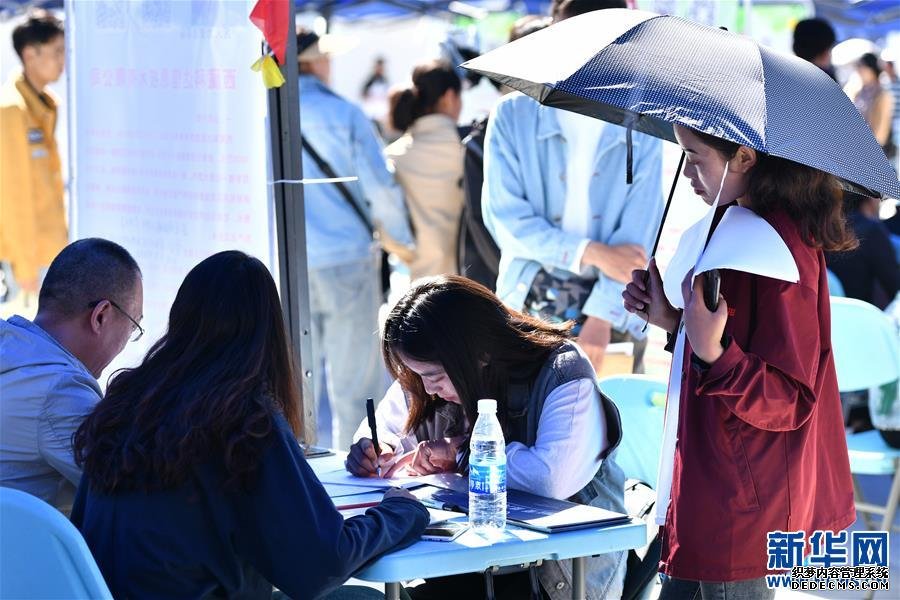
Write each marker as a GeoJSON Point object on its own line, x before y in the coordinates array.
{"type": "Point", "coordinates": [45, 394]}
{"type": "Point", "coordinates": [525, 192]}
{"type": "Point", "coordinates": [343, 136]}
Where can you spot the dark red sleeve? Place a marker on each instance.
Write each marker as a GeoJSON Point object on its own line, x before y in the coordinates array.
{"type": "Point", "coordinates": [769, 384]}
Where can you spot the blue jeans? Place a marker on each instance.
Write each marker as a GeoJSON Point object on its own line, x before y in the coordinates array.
{"type": "Point", "coordinates": [344, 303]}
{"type": "Point", "coordinates": [748, 589]}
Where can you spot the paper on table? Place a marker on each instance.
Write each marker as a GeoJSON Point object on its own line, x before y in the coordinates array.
{"type": "Point", "coordinates": [365, 500]}
{"type": "Point", "coordinates": [339, 490]}
{"type": "Point", "coordinates": [436, 516]}
{"type": "Point", "coordinates": [450, 481]}
{"type": "Point", "coordinates": [342, 477]}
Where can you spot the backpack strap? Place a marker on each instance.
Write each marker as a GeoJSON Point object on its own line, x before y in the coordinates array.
{"type": "Point", "coordinates": [329, 172]}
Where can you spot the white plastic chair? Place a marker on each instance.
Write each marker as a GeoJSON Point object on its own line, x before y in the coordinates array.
{"type": "Point", "coordinates": [866, 349]}
{"type": "Point", "coordinates": [42, 555]}
{"type": "Point", "coordinates": [641, 403]}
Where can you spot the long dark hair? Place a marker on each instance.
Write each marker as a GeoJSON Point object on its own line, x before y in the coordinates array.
{"type": "Point", "coordinates": [210, 387]}
{"type": "Point", "coordinates": [430, 81]}
{"type": "Point", "coordinates": [463, 326]}
{"type": "Point", "coordinates": [812, 198]}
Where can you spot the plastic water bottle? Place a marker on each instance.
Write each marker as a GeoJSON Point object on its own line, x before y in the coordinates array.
{"type": "Point", "coordinates": [487, 471]}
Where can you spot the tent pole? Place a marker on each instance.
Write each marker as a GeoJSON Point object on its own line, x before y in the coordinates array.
{"type": "Point", "coordinates": [290, 224]}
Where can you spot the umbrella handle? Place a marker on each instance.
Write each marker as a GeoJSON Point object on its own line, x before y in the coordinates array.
{"type": "Point", "coordinates": [646, 279]}
{"type": "Point", "coordinates": [662, 221]}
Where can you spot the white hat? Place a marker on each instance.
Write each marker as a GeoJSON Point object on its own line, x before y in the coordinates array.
{"type": "Point", "coordinates": [311, 46]}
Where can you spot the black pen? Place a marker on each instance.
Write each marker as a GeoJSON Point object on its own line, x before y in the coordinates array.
{"type": "Point", "coordinates": [370, 413]}
{"type": "Point", "coordinates": [438, 505]}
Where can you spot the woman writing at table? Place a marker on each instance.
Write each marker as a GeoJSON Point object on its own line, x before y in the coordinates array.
{"type": "Point", "coordinates": [194, 485]}
{"type": "Point", "coordinates": [449, 342]}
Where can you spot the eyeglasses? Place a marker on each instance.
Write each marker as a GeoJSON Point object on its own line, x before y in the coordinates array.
{"type": "Point", "coordinates": [136, 330]}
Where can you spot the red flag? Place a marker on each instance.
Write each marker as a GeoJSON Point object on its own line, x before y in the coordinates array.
{"type": "Point", "coordinates": [271, 16]}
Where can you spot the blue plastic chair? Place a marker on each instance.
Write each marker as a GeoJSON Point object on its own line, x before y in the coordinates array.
{"type": "Point", "coordinates": [641, 402]}
{"type": "Point", "coordinates": [835, 287]}
{"type": "Point", "coordinates": [42, 555]}
{"type": "Point", "coordinates": [866, 345]}
{"type": "Point", "coordinates": [866, 349]}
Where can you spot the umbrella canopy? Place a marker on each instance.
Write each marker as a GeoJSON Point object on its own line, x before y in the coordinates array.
{"type": "Point", "coordinates": [647, 72]}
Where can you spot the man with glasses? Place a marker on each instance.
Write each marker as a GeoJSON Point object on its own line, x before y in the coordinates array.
{"type": "Point", "coordinates": [90, 306]}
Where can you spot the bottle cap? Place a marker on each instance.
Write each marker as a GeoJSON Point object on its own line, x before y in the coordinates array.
{"type": "Point", "coordinates": [487, 406]}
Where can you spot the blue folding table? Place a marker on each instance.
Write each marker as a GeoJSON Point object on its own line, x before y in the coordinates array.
{"type": "Point", "coordinates": [472, 553]}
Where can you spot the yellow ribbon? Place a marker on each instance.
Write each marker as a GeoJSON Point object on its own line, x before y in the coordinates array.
{"type": "Point", "coordinates": [271, 74]}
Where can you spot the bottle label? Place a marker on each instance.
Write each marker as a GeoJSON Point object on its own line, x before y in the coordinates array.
{"type": "Point", "coordinates": [487, 479]}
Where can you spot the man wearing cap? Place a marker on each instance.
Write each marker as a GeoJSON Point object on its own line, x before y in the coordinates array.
{"type": "Point", "coordinates": [343, 257]}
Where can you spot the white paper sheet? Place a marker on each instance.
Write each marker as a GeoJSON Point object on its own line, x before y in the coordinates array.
{"type": "Point", "coordinates": [342, 477]}
{"type": "Point", "coordinates": [744, 241]}
{"type": "Point", "coordinates": [340, 490]}
{"type": "Point", "coordinates": [688, 252]}
{"type": "Point", "coordinates": [690, 248]}
{"type": "Point", "coordinates": [670, 431]}
{"type": "Point", "coordinates": [436, 516]}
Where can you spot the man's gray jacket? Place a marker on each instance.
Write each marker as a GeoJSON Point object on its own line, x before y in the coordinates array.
{"type": "Point", "coordinates": [45, 394]}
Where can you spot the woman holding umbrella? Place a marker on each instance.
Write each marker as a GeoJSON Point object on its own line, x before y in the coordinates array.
{"type": "Point", "coordinates": [760, 436]}
{"type": "Point", "coordinates": [754, 436]}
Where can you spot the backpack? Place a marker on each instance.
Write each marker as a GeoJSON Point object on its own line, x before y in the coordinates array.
{"type": "Point", "coordinates": [477, 253]}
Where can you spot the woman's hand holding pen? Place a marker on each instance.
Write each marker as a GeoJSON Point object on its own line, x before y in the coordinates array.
{"type": "Point", "coordinates": [644, 297]}
{"type": "Point", "coordinates": [363, 461]}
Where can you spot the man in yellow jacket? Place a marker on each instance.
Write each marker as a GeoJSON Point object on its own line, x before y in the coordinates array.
{"type": "Point", "coordinates": [32, 214]}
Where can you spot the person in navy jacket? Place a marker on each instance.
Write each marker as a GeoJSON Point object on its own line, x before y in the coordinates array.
{"type": "Point", "coordinates": [194, 484]}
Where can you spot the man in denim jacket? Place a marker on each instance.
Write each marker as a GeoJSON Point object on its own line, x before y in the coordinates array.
{"type": "Point", "coordinates": [557, 203]}
{"type": "Point", "coordinates": [525, 199]}
{"type": "Point", "coordinates": [343, 258]}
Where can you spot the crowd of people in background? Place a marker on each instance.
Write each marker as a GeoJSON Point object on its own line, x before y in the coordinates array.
{"type": "Point", "coordinates": [520, 234]}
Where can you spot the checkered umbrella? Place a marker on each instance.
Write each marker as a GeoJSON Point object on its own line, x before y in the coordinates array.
{"type": "Point", "coordinates": [647, 72]}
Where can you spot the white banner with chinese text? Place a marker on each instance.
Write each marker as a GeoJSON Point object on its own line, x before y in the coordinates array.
{"type": "Point", "coordinates": [168, 138]}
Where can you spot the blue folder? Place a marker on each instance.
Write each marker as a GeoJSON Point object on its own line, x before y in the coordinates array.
{"type": "Point", "coordinates": [531, 511]}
